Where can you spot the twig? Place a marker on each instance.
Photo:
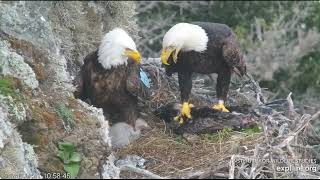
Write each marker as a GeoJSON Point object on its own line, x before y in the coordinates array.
{"type": "Point", "coordinates": [297, 131]}
{"type": "Point", "coordinates": [232, 167]}
{"type": "Point", "coordinates": [140, 171]}
{"type": "Point", "coordinates": [291, 106]}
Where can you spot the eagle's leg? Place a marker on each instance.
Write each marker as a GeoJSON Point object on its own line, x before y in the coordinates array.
{"type": "Point", "coordinates": [222, 89]}
{"type": "Point", "coordinates": [185, 85]}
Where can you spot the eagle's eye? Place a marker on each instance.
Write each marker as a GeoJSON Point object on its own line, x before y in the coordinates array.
{"type": "Point", "coordinates": [174, 52]}
{"type": "Point", "coordinates": [171, 47]}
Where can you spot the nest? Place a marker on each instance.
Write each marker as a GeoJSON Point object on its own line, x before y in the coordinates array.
{"type": "Point", "coordinates": [169, 155]}
{"type": "Point", "coordinates": [275, 151]}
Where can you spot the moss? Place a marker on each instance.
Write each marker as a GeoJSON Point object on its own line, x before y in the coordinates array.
{"type": "Point", "coordinates": [8, 86]}
{"type": "Point", "coordinates": [54, 165]}
{"type": "Point", "coordinates": [34, 139]}
{"type": "Point", "coordinates": [251, 131]}
{"type": "Point", "coordinates": [222, 135]}
{"type": "Point", "coordinates": [41, 114]}
{"type": "Point", "coordinates": [180, 140]}
{"type": "Point", "coordinates": [66, 115]}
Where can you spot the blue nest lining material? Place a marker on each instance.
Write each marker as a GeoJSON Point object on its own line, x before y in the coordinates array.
{"type": "Point", "coordinates": [144, 78]}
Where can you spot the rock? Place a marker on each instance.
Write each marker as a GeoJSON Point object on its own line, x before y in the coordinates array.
{"type": "Point", "coordinates": [17, 159]}
{"type": "Point", "coordinates": [43, 45]}
{"type": "Point", "coordinates": [14, 108]}
{"type": "Point", "coordinates": [5, 128]}
{"type": "Point", "coordinates": [132, 160]}
{"type": "Point", "coordinates": [109, 169]}
{"type": "Point", "coordinates": [13, 64]}
{"type": "Point", "coordinates": [112, 168]}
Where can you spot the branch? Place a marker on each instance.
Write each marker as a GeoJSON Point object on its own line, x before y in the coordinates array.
{"type": "Point", "coordinates": [140, 171]}
{"type": "Point", "coordinates": [232, 167]}
{"type": "Point", "coordinates": [297, 131]}
{"type": "Point", "coordinates": [291, 106]}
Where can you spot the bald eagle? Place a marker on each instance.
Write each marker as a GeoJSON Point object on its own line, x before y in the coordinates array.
{"type": "Point", "coordinates": [109, 77]}
{"type": "Point", "coordinates": [202, 47]}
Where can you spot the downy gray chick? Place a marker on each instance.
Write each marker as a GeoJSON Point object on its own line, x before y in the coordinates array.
{"type": "Point", "coordinates": [123, 134]}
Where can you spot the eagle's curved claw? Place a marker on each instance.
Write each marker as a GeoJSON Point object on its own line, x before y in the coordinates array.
{"type": "Point", "coordinates": [220, 107]}
{"type": "Point", "coordinates": [179, 119]}
{"type": "Point", "coordinates": [184, 113]}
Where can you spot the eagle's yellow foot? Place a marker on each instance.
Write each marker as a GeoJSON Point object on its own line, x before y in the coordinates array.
{"type": "Point", "coordinates": [184, 113]}
{"type": "Point", "coordinates": [220, 107]}
{"type": "Point", "coordinates": [179, 119]}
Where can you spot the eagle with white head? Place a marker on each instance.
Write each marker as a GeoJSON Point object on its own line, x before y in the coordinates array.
{"type": "Point", "coordinates": [110, 78]}
{"type": "Point", "coordinates": [205, 48]}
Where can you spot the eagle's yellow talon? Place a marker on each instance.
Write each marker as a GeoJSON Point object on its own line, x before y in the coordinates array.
{"type": "Point", "coordinates": [185, 112]}
{"type": "Point", "coordinates": [220, 107]}
{"type": "Point", "coordinates": [177, 118]}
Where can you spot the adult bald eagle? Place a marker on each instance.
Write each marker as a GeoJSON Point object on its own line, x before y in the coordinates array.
{"type": "Point", "coordinates": [202, 47]}
{"type": "Point", "coordinates": [109, 77]}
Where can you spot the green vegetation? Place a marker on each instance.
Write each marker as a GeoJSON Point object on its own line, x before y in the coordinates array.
{"type": "Point", "coordinates": [252, 131]}
{"type": "Point", "coordinates": [70, 158]}
{"type": "Point", "coordinates": [7, 86]}
{"type": "Point", "coordinates": [226, 133]}
{"type": "Point", "coordinates": [306, 76]}
{"type": "Point", "coordinates": [222, 135]}
{"type": "Point", "coordinates": [180, 140]}
{"type": "Point", "coordinates": [66, 115]}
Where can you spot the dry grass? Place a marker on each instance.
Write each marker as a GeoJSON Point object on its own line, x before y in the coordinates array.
{"type": "Point", "coordinates": [169, 155]}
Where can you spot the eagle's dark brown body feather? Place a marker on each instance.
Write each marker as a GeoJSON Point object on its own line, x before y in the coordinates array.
{"type": "Point", "coordinates": [222, 55]}
{"type": "Point", "coordinates": [116, 90]}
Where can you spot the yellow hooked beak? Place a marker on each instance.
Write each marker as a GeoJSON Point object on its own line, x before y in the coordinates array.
{"type": "Point", "coordinates": [134, 55]}
{"type": "Point", "coordinates": [165, 54]}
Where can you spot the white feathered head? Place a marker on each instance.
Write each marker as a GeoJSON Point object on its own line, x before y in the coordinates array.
{"type": "Point", "coordinates": [183, 37]}
{"type": "Point", "coordinates": [116, 48]}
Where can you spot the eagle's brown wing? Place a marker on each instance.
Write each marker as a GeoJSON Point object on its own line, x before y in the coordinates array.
{"type": "Point", "coordinates": [82, 76]}
{"type": "Point", "coordinates": [232, 54]}
{"type": "Point", "coordinates": [78, 83]}
{"type": "Point", "coordinates": [135, 86]}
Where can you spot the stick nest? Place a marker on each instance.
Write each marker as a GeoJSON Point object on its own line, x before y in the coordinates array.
{"type": "Point", "coordinates": [282, 142]}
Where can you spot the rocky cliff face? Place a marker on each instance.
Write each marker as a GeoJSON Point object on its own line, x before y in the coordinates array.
{"type": "Point", "coordinates": [42, 45]}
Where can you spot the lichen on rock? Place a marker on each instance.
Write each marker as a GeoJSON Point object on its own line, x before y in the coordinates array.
{"type": "Point", "coordinates": [15, 109]}
{"type": "Point", "coordinates": [13, 64]}
{"type": "Point", "coordinates": [17, 159]}
{"type": "Point", "coordinates": [104, 125]}
{"type": "Point", "coordinates": [5, 128]}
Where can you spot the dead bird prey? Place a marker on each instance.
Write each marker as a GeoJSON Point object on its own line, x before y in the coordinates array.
{"type": "Point", "coordinates": [206, 119]}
